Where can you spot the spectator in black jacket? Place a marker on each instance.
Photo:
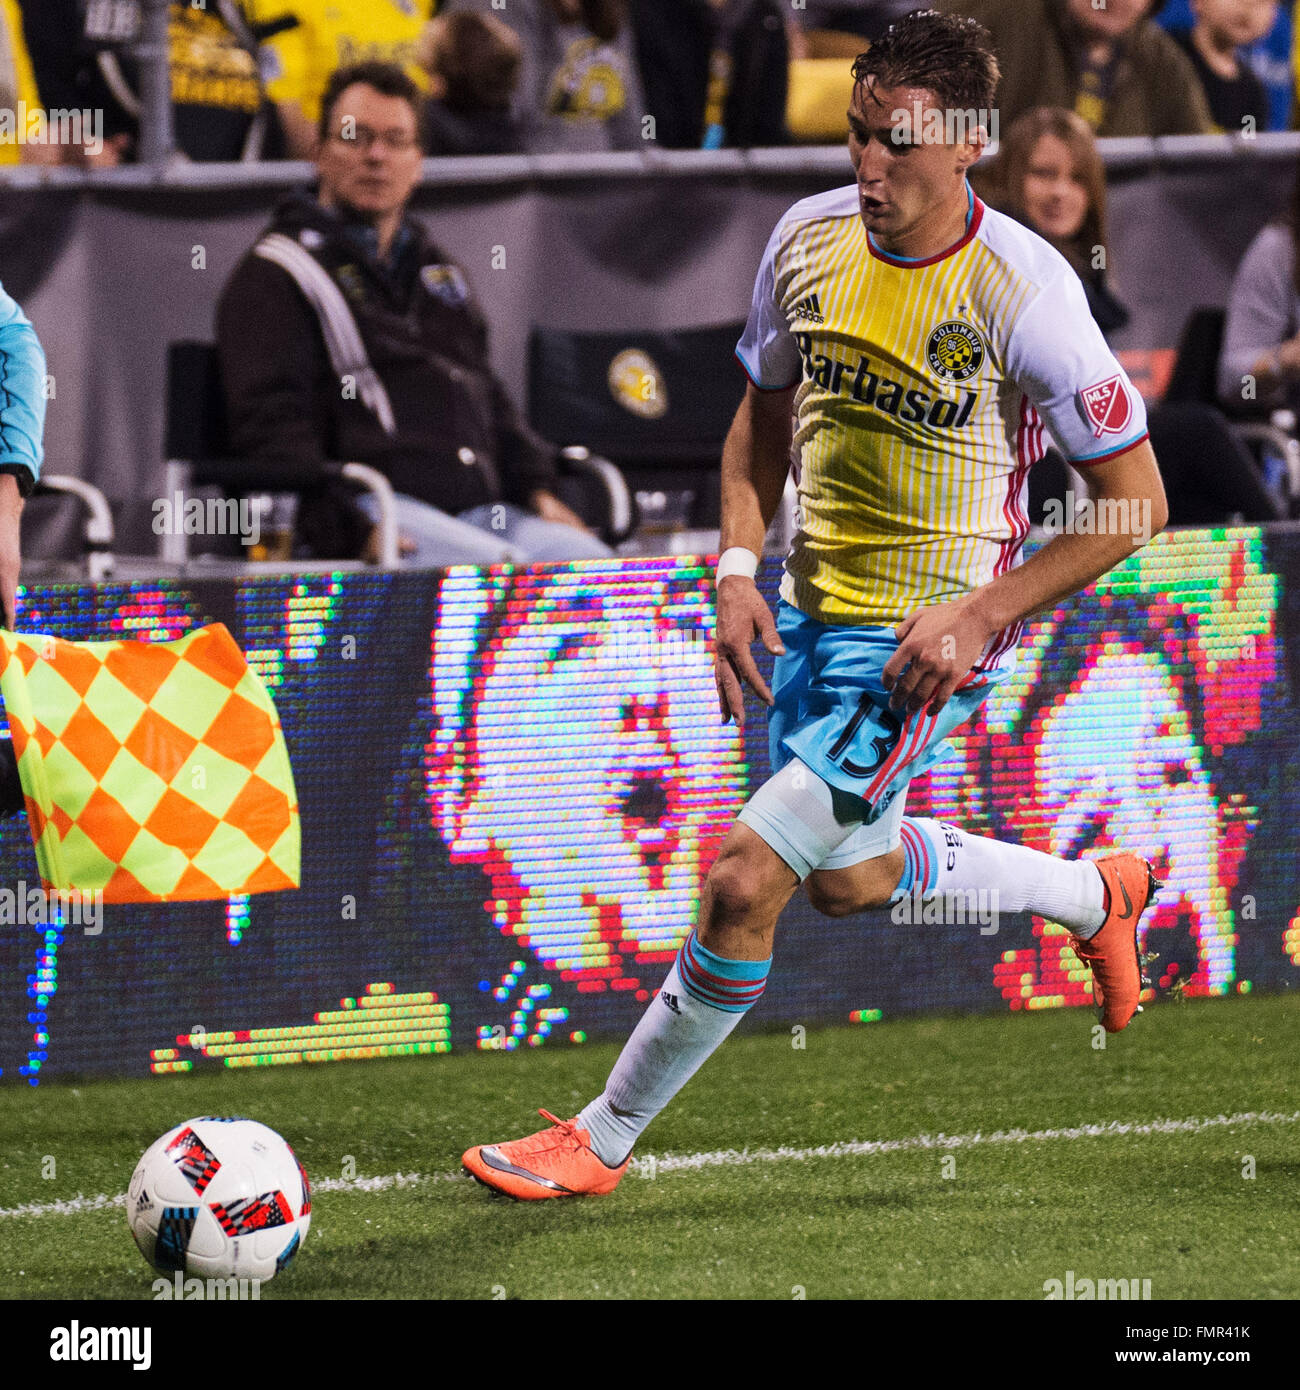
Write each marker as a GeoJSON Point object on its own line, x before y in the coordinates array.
{"type": "Point", "coordinates": [347, 334]}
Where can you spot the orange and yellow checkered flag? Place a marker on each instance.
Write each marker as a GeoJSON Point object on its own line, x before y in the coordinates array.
{"type": "Point", "coordinates": [152, 771]}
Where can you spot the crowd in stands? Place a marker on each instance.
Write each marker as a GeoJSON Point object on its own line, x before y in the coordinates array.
{"type": "Point", "coordinates": [1049, 175]}
{"type": "Point", "coordinates": [266, 79]}
{"type": "Point", "coordinates": [586, 75]}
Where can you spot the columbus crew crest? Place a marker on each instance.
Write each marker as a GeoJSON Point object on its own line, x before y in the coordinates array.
{"type": "Point", "coordinates": [637, 384]}
{"type": "Point", "coordinates": [955, 351]}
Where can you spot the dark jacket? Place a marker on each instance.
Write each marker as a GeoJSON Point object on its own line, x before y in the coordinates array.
{"type": "Point", "coordinates": [459, 442]}
{"type": "Point", "coordinates": [1232, 99]}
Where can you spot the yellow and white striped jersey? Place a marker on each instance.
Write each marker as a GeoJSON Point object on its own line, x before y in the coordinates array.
{"type": "Point", "coordinates": [925, 389]}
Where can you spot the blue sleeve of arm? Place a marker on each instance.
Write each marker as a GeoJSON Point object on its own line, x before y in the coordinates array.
{"type": "Point", "coordinates": [22, 390]}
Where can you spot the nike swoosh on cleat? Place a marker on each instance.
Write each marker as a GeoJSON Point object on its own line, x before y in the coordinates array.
{"type": "Point", "coordinates": [494, 1160]}
{"type": "Point", "coordinates": [1128, 902]}
{"type": "Point", "coordinates": [622, 1114]}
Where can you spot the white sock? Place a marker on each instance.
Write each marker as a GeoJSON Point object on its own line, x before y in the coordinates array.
{"type": "Point", "coordinates": [940, 856]}
{"type": "Point", "coordinates": [700, 1002]}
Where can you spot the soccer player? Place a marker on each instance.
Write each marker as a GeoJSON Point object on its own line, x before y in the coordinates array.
{"type": "Point", "coordinates": [926, 345]}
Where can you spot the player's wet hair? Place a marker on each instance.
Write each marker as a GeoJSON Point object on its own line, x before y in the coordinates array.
{"type": "Point", "coordinates": [949, 56]}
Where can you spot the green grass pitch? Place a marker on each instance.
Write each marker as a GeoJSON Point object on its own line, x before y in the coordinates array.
{"type": "Point", "coordinates": [1172, 1205]}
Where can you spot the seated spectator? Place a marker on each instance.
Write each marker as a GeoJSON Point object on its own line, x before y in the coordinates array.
{"type": "Point", "coordinates": [305, 41]}
{"type": "Point", "coordinates": [1050, 177]}
{"type": "Point", "coordinates": [218, 103]}
{"type": "Point", "coordinates": [1109, 63]}
{"type": "Point", "coordinates": [347, 334]}
{"type": "Point", "coordinates": [578, 85]}
{"type": "Point", "coordinates": [1238, 99]}
{"type": "Point", "coordinates": [713, 71]}
{"type": "Point", "coordinates": [473, 64]}
{"type": "Point", "coordinates": [1259, 365]}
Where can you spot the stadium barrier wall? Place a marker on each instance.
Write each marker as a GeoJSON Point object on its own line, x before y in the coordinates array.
{"type": "Point", "coordinates": [112, 265]}
{"type": "Point", "coordinates": [513, 780]}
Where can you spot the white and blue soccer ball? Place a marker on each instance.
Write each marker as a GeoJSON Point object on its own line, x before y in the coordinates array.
{"type": "Point", "coordinates": [219, 1197]}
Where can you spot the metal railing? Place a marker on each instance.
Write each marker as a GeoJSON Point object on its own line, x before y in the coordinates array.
{"type": "Point", "coordinates": [157, 148]}
{"type": "Point", "coordinates": [157, 125]}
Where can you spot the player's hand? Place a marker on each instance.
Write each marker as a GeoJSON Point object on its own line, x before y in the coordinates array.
{"type": "Point", "coordinates": [11, 510]}
{"type": "Point", "coordinates": [937, 647]}
{"type": "Point", "coordinates": [743, 618]}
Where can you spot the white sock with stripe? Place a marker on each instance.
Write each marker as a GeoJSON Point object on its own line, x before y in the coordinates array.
{"type": "Point", "coordinates": [941, 857]}
{"type": "Point", "coordinates": [693, 1013]}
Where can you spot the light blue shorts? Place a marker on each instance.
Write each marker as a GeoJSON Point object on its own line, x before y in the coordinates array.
{"type": "Point", "coordinates": [832, 713]}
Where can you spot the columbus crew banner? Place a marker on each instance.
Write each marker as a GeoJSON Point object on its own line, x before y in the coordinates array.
{"type": "Point", "coordinates": [152, 771]}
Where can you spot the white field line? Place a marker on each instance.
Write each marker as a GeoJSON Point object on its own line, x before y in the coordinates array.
{"type": "Point", "coordinates": [727, 1158]}
{"type": "Point", "coordinates": [673, 1163]}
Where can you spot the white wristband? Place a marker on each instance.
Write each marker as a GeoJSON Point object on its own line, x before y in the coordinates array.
{"type": "Point", "coordinates": [736, 559]}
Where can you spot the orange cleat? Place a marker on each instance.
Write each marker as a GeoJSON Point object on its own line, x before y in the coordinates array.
{"type": "Point", "coordinates": [555, 1162]}
{"type": "Point", "coordinates": [1112, 953]}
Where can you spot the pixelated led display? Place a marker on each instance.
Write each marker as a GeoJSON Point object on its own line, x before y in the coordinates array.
{"type": "Point", "coordinates": [512, 783]}
{"type": "Point", "coordinates": [577, 757]}
{"type": "Point", "coordinates": [379, 1023]}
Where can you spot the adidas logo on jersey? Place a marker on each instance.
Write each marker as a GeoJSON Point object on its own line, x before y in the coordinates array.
{"type": "Point", "coordinates": [809, 309]}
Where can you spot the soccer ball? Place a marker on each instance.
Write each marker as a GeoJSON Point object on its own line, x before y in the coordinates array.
{"type": "Point", "coordinates": [219, 1197]}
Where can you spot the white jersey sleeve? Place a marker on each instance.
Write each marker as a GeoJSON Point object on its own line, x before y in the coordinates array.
{"type": "Point", "coordinates": [1059, 359]}
{"type": "Point", "coordinates": [767, 349]}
